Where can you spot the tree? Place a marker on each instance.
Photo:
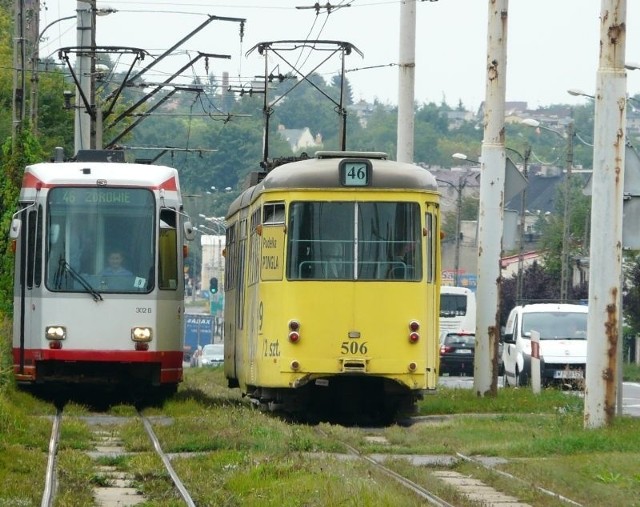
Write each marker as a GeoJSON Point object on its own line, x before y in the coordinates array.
{"type": "Point", "coordinates": [15, 156]}
{"type": "Point", "coordinates": [631, 296]}
{"type": "Point", "coordinates": [336, 80]}
{"type": "Point", "coordinates": [468, 211]}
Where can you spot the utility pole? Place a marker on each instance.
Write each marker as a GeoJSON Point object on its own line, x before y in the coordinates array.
{"type": "Point", "coordinates": [456, 276]}
{"type": "Point", "coordinates": [565, 275]}
{"type": "Point", "coordinates": [95, 137]}
{"type": "Point", "coordinates": [523, 224]}
{"type": "Point", "coordinates": [604, 322]}
{"type": "Point", "coordinates": [406, 81]}
{"type": "Point", "coordinates": [18, 69]}
{"type": "Point", "coordinates": [459, 188]}
{"type": "Point", "coordinates": [491, 216]}
{"type": "Point", "coordinates": [84, 38]}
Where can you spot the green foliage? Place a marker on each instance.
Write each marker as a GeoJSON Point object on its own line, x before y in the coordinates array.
{"type": "Point", "coordinates": [468, 211]}
{"type": "Point", "coordinates": [631, 296]}
{"type": "Point", "coordinates": [552, 227]}
{"type": "Point", "coordinates": [15, 156]}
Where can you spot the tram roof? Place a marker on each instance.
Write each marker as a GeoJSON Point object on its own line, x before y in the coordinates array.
{"type": "Point", "coordinates": [322, 172]}
{"type": "Point", "coordinates": [87, 173]}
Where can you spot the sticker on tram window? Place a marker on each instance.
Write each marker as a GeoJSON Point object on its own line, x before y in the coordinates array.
{"type": "Point", "coordinates": [355, 173]}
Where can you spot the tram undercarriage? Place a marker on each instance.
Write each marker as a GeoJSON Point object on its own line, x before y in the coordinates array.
{"type": "Point", "coordinates": [343, 399]}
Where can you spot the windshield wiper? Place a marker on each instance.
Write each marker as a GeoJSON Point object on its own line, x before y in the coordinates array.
{"type": "Point", "coordinates": [65, 266]}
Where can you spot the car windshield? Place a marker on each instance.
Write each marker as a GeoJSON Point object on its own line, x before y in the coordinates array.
{"type": "Point", "coordinates": [556, 325]}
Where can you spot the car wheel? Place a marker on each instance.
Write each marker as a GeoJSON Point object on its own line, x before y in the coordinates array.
{"type": "Point", "coordinates": [505, 379]}
{"type": "Point", "coordinates": [522, 379]}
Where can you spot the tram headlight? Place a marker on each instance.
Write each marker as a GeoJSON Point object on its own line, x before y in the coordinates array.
{"type": "Point", "coordinates": [141, 334]}
{"type": "Point", "coordinates": [56, 332]}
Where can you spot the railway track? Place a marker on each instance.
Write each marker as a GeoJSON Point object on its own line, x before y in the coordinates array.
{"type": "Point", "coordinates": [421, 491]}
{"type": "Point", "coordinates": [116, 488]}
{"type": "Point", "coordinates": [473, 489]}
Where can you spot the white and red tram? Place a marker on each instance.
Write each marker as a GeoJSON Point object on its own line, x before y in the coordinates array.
{"type": "Point", "coordinates": [99, 284]}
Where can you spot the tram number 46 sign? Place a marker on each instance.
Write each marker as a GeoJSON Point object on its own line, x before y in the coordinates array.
{"type": "Point", "coordinates": [353, 348]}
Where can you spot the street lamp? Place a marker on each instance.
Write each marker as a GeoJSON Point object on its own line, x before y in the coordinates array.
{"type": "Point", "coordinates": [463, 156]}
{"type": "Point", "coordinates": [34, 73]}
{"type": "Point", "coordinates": [218, 222]}
{"type": "Point", "coordinates": [198, 227]}
{"type": "Point", "coordinates": [564, 257]}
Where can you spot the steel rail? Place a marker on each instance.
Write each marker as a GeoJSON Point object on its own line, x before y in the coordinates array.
{"type": "Point", "coordinates": [422, 492]}
{"type": "Point", "coordinates": [167, 462]}
{"type": "Point", "coordinates": [50, 477]}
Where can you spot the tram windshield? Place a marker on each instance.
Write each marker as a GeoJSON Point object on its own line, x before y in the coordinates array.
{"type": "Point", "coordinates": [100, 240]}
{"type": "Point", "coordinates": [354, 241]}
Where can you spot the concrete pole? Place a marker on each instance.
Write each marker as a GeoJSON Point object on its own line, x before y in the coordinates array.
{"type": "Point", "coordinates": [82, 132]}
{"type": "Point", "coordinates": [406, 81]}
{"type": "Point", "coordinates": [605, 308]}
{"type": "Point", "coordinates": [18, 70]}
{"type": "Point", "coordinates": [491, 216]}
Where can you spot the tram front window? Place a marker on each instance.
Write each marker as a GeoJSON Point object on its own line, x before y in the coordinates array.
{"type": "Point", "coordinates": [100, 239]}
{"type": "Point", "coordinates": [354, 241]}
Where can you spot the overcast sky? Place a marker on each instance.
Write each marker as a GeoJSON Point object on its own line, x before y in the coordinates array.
{"type": "Point", "coordinates": [553, 45]}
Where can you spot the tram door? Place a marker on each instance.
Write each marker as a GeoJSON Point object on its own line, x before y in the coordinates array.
{"type": "Point", "coordinates": [28, 279]}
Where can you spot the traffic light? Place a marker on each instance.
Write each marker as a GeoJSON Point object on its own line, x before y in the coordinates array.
{"type": "Point", "coordinates": [213, 285]}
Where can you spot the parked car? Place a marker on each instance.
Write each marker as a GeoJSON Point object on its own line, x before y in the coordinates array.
{"type": "Point", "coordinates": [562, 350]}
{"type": "Point", "coordinates": [212, 355]}
{"type": "Point", "coordinates": [457, 351]}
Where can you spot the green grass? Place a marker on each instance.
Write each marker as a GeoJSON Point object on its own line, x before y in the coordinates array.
{"type": "Point", "coordinates": [631, 372]}
{"type": "Point", "coordinates": [239, 456]}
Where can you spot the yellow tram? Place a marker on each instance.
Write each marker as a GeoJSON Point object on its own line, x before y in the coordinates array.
{"type": "Point", "coordinates": [332, 287]}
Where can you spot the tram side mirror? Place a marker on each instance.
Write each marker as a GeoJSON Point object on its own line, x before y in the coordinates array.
{"type": "Point", "coordinates": [189, 231]}
{"type": "Point", "coordinates": [16, 226]}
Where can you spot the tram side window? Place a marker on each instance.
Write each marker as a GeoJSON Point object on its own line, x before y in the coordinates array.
{"type": "Point", "coordinates": [34, 248]}
{"type": "Point", "coordinates": [430, 225]}
{"type": "Point", "coordinates": [167, 251]}
{"type": "Point", "coordinates": [231, 258]}
{"type": "Point", "coordinates": [273, 213]}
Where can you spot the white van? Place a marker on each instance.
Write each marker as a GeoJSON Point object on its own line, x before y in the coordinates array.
{"type": "Point", "coordinates": [563, 343]}
{"type": "Point", "coordinates": [457, 310]}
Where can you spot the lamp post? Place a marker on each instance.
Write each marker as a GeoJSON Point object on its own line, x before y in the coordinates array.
{"type": "Point", "coordinates": [523, 223]}
{"type": "Point", "coordinates": [34, 73]}
{"type": "Point", "coordinates": [564, 256]}
{"type": "Point", "coordinates": [218, 222]}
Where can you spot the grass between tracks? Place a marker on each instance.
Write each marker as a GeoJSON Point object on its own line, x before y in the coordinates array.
{"type": "Point", "coordinates": [236, 456]}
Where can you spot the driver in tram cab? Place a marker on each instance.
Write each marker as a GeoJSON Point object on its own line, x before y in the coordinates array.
{"type": "Point", "coordinates": [114, 265]}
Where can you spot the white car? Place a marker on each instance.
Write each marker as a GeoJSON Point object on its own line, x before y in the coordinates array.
{"type": "Point", "coordinates": [212, 355]}
{"type": "Point", "coordinates": [562, 347]}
